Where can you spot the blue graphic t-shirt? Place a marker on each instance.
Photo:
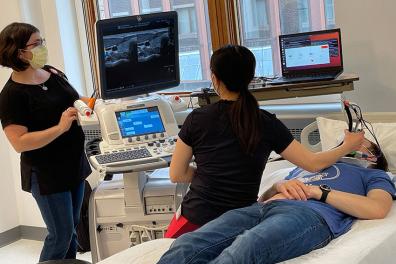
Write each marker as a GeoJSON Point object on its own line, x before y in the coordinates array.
{"type": "Point", "coordinates": [346, 178]}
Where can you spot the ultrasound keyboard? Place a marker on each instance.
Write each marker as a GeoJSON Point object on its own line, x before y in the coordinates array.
{"type": "Point", "coordinates": [123, 156]}
{"type": "Point", "coordinates": [151, 154]}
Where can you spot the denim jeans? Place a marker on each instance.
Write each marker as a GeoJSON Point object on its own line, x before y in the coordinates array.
{"type": "Point", "coordinates": [261, 233]}
{"type": "Point", "coordinates": [61, 214]}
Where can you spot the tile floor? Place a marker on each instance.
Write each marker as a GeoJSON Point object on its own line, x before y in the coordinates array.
{"type": "Point", "coordinates": [27, 252]}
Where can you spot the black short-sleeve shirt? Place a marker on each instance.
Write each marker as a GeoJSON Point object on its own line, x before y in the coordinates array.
{"type": "Point", "coordinates": [225, 178]}
{"type": "Point", "coordinates": [62, 164]}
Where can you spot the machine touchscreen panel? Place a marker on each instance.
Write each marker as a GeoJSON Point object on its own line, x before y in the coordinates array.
{"type": "Point", "coordinates": [139, 122]}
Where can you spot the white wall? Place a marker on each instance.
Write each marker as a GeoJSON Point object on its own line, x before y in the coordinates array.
{"type": "Point", "coordinates": [368, 37]}
{"type": "Point", "coordinates": [69, 36]}
{"type": "Point", "coordinates": [8, 199]}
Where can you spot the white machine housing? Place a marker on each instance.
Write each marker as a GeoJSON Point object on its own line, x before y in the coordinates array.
{"type": "Point", "coordinates": [111, 133]}
{"type": "Point", "coordinates": [136, 206]}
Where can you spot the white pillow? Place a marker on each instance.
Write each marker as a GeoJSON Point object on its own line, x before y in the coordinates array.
{"type": "Point", "coordinates": [332, 130]}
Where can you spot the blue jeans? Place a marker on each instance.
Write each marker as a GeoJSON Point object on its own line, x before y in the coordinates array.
{"type": "Point", "coordinates": [61, 214]}
{"type": "Point", "coordinates": [261, 233]}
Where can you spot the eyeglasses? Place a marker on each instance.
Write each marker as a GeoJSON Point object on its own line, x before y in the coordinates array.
{"type": "Point", "coordinates": [37, 43]}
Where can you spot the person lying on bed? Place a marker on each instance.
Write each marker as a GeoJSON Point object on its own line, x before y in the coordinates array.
{"type": "Point", "coordinates": [302, 213]}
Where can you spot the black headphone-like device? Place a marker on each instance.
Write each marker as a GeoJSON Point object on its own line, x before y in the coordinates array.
{"type": "Point", "coordinates": [358, 123]}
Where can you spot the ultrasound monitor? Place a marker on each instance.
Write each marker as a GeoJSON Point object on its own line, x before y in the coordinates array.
{"type": "Point", "coordinates": [138, 122]}
{"type": "Point", "coordinates": [138, 54]}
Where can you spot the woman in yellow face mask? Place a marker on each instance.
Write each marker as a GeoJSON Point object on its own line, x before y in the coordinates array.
{"type": "Point", "coordinates": [38, 119]}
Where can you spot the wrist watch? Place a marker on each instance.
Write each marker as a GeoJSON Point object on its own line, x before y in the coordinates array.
{"type": "Point", "coordinates": [325, 191]}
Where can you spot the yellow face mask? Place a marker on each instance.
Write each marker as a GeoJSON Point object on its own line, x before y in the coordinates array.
{"type": "Point", "coordinates": [40, 56]}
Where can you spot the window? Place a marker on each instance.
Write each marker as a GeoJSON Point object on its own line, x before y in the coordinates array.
{"type": "Point", "coordinates": [149, 6]}
{"type": "Point", "coordinates": [262, 21]}
{"type": "Point", "coordinates": [189, 57]}
{"type": "Point", "coordinates": [329, 11]}
{"type": "Point", "coordinates": [194, 34]}
{"type": "Point", "coordinates": [256, 33]}
{"type": "Point", "coordinates": [253, 23]}
{"type": "Point", "coordinates": [294, 16]}
{"type": "Point", "coordinates": [187, 20]}
{"type": "Point", "coordinates": [114, 8]}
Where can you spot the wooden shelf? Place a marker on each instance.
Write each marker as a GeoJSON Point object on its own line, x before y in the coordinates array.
{"type": "Point", "coordinates": [343, 83]}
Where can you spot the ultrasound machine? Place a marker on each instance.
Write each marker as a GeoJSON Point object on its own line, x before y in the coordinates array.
{"type": "Point", "coordinates": [137, 55]}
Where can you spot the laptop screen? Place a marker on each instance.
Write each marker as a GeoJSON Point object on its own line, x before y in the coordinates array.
{"type": "Point", "coordinates": [311, 52]}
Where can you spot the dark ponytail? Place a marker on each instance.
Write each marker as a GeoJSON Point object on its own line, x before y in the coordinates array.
{"type": "Point", "coordinates": [235, 67]}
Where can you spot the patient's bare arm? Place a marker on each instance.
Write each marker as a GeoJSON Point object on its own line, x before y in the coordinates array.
{"type": "Point", "coordinates": [299, 155]}
{"type": "Point", "coordinates": [376, 205]}
{"type": "Point", "coordinates": [286, 189]}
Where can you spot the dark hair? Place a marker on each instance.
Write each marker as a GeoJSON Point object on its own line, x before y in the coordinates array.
{"type": "Point", "coordinates": [382, 163]}
{"type": "Point", "coordinates": [13, 38]}
{"type": "Point", "coordinates": [235, 66]}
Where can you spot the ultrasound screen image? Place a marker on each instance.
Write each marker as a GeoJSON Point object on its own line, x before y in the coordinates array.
{"type": "Point", "coordinates": [131, 59]}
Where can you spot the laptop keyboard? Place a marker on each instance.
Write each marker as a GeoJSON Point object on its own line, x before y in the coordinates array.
{"type": "Point", "coordinates": [308, 78]}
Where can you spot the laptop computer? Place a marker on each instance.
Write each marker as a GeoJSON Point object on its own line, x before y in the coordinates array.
{"type": "Point", "coordinates": [310, 56]}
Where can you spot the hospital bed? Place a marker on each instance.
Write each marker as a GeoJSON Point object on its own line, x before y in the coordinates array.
{"type": "Point", "coordinates": [369, 241]}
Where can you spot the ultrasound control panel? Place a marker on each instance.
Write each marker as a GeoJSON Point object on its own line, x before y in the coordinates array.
{"type": "Point", "coordinates": [135, 133]}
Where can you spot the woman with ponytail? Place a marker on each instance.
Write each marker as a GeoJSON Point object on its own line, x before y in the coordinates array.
{"type": "Point", "coordinates": [231, 141]}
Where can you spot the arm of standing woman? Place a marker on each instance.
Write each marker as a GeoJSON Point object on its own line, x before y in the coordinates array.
{"type": "Point", "coordinates": [22, 140]}
{"type": "Point", "coordinates": [302, 157]}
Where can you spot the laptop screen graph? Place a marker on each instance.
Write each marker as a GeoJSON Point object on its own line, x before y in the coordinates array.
{"type": "Point", "coordinates": [311, 51]}
{"type": "Point", "coordinates": [307, 56]}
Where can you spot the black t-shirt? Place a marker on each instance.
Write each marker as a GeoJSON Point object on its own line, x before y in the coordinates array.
{"type": "Point", "coordinates": [225, 178]}
{"type": "Point", "coordinates": [61, 165]}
